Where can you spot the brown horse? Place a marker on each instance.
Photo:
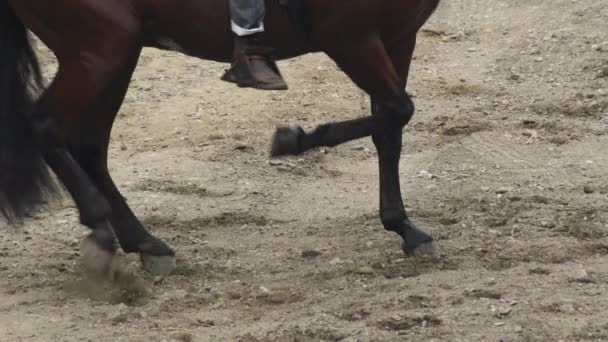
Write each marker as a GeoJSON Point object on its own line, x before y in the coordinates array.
{"type": "Point", "coordinates": [97, 44]}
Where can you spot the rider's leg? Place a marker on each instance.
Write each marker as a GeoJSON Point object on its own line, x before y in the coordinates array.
{"type": "Point", "coordinates": [253, 65]}
{"type": "Point", "coordinates": [247, 16]}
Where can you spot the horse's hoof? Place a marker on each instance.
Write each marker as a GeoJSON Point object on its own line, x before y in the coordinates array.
{"type": "Point", "coordinates": [96, 261]}
{"type": "Point", "coordinates": [158, 265]}
{"type": "Point", "coordinates": [426, 250]}
{"type": "Point", "coordinates": [417, 242]}
{"type": "Point", "coordinates": [156, 256]}
{"type": "Point", "coordinates": [287, 141]}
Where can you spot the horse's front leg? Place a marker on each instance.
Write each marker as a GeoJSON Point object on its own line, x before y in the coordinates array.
{"type": "Point", "coordinates": [382, 74]}
{"type": "Point", "coordinates": [388, 141]}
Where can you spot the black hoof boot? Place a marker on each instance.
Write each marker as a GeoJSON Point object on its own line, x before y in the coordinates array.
{"type": "Point", "coordinates": [287, 141]}
{"type": "Point", "coordinates": [418, 243]}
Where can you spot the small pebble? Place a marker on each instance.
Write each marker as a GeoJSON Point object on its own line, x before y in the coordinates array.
{"type": "Point", "coordinates": [504, 190]}
{"type": "Point", "coordinates": [588, 189]}
{"type": "Point", "coordinates": [310, 253]}
{"type": "Point", "coordinates": [365, 270]}
{"type": "Point", "coordinates": [547, 224]}
{"type": "Point", "coordinates": [335, 261]}
{"type": "Point", "coordinates": [184, 337]}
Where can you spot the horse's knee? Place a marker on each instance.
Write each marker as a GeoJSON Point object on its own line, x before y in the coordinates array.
{"type": "Point", "coordinates": [402, 110]}
{"type": "Point", "coordinates": [398, 111]}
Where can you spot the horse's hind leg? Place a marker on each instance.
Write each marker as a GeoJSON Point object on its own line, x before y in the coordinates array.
{"type": "Point", "coordinates": [81, 79]}
{"type": "Point", "coordinates": [89, 144]}
{"type": "Point", "coordinates": [49, 121]}
{"type": "Point", "coordinates": [373, 69]}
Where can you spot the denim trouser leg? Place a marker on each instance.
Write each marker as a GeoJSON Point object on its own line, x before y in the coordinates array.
{"type": "Point", "coordinates": [247, 16]}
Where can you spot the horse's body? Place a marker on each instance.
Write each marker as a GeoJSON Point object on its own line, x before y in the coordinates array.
{"type": "Point", "coordinates": [97, 44]}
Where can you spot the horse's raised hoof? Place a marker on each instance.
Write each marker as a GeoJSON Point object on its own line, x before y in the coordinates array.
{"type": "Point", "coordinates": [425, 250]}
{"type": "Point", "coordinates": [157, 257]}
{"type": "Point", "coordinates": [287, 141]}
{"type": "Point", "coordinates": [418, 243]}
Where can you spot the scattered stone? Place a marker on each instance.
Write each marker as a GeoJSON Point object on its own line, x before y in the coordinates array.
{"type": "Point", "coordinates": [120, 314]}
{"type": "Point", "coordinates": [490, 281]}
{"type": "Point", "coordinates": [490, 294]}
{"type": "Point", "coordinates": [589, 189]}
{"type": "Point", "coordinates": [335, 261]}
{"type": "Point", "coordinates": [281, 163]}
{"type": "Point", "coordinates": [399, 323]}
{"type": "Point", "coordinates": [514, 198]}
{"type": "Point", "coordinates": [547, 224]}
{"type": "Point", "coordinates": [426, 174]}
{"type": "Point", "coordinates": [581, 276]}
{"type": "Point", "coordinates": [184, 337]}
{"type": "Point", "coordinates": [539, 199]}
{"type": "Point", "coordinates": [457, 301]}
{"type": "Point", "coordinates": [158, 280]}
{"type": "Point", "coordinates": [518, 329]}
{"type": "Point", "coordinates": [447, 221]}
{"type": "Point", "coordinates": [276, 297]}
{"type": "Point", "coordinates": [264, 290]}
{"type": "Point", "coordinates": [310, 253]}
{"type": "Point", "coordinates": [503, 190]}
{"type": "Point", "coordinates": [502, 311]}
{"type": "Point", "coordinates": [365, 270]}
{"type": "Point", "coordinates": [203, 322]}
{"type": "Point", "coordinates": [529, 123]}
{"type": "Point", "coordinates": [530, 133]}
{"type": "Point", "coordinates": [242, 147]}
{"type": "Point", "coordinates": [567, 308]}
{"type": "Point", "coordinates": [539, 270]}
{"type": "Point", "coordinates": [515, 77]}
{"type": "Point", "coordinates": [233, 294]}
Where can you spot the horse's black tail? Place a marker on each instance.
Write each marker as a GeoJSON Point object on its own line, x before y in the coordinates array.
{"type": "Point", "coordinates": [24, 176]}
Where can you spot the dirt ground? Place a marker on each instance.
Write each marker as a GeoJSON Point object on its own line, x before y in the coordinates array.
{"type": "Point", "coordinates": [505, 163]}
